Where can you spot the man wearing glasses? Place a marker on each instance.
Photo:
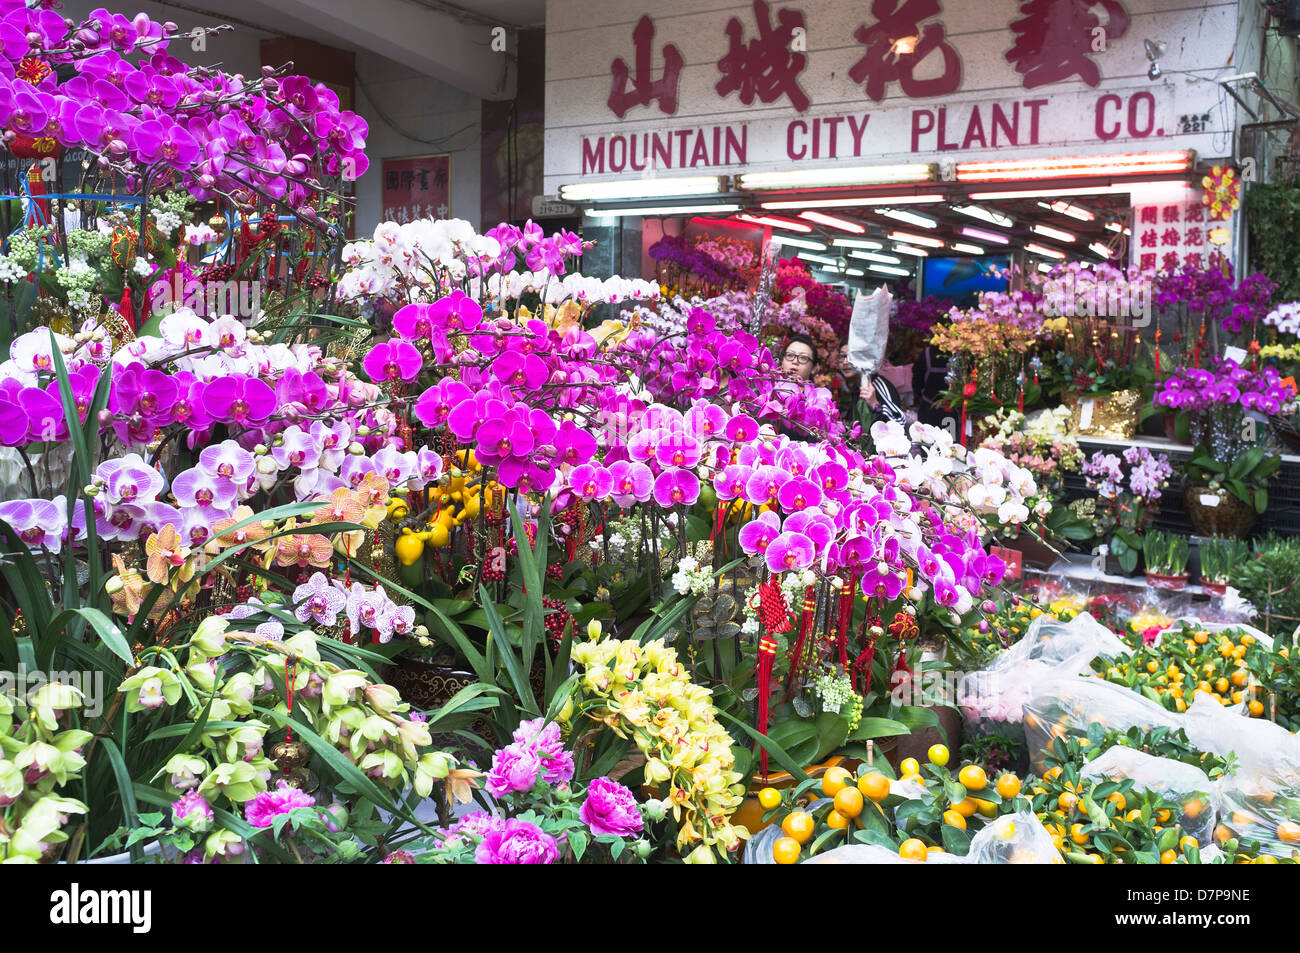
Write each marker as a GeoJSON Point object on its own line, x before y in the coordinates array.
{"type": "Point", "coordinates": [800, 362]}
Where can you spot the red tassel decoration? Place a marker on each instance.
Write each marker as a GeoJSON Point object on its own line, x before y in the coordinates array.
{"type": "Point", "coordinates": [766, 657]}
{"type": "Point", "coordinates": [125, 308]}
{"type": "Point", "coordinates": [842, 634]}
{"type": "Point", "coordinates": [797, 653]}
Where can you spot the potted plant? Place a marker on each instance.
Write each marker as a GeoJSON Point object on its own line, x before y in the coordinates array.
{"type": "Point", "coordinates": [1226, 482]}
{"type": "Point", "coordinates": [1166, 559]}
{"type": "Point", "coordinates": [1218, 558]}
{"type": "Point", "coordinates": [1129, 489]}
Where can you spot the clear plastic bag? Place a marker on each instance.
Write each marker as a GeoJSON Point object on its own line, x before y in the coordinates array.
{"type": "Point", "coordinates": [1070, 705]}
{"type": "Point", "coordinates": [1260, 798]}
{"type": "Point", "coordinates": [1049, 649]}
{"type": "Point", "coordinates": [1184, 784]}
{"type": "Point", "coordinates": [1018, 838]}
{"type": "Point", "coordinates": [875, 854]}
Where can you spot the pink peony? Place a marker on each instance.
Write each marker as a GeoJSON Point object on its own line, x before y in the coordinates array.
{"type": "Point", "coordinates": [544, 739]}
{"type": "Point", "coordinates": [514, 768]}
{"type": "Point", "coordinates": [517, 842]}
{"type": "Point", "coordinates": [610, 808]}
{"type": "Point", "coordinates": [263, 809]}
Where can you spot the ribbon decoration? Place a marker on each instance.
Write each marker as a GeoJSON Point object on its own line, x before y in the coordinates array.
{"type": "Point", "coordinates": [968, 391]}
{"type": "Point", "coordinates": [801, 643]}
{"type": "Point", "coordinates": [290, 674]}
{"type": "Point", "coordinates": [774, 618]}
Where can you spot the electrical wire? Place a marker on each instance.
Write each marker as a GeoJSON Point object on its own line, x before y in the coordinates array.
{"type": "Point", "coordinates": [392, 124]}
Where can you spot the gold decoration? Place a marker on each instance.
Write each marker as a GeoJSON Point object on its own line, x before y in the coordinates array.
{"type": "Point", "coordinates": [1114, 416]}
{"type": "Point", "coordinates": [289, 755]}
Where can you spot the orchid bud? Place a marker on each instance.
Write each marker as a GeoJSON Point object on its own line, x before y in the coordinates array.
{"type": "Point", "coordinates": [261, 450]}
{"type": "Point", "coordinates": [105, 417]}
{"type": "Point", "coordinates": [355, 449]}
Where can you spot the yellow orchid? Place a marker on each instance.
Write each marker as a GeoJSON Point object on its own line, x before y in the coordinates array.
{"type": "Point", "coordinates": [166, 551]}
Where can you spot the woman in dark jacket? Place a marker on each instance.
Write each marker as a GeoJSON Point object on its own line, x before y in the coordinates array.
{"type": "Point", "coordinates": [877, 396]}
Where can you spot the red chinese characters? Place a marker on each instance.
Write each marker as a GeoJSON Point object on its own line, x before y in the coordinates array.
{"type": "Point", "coordinates": [1055, 39]}
{"type": "Point", "coordinates": [897, 44]}
{"type": "Point", "coordinates": [766, 66]}
{"type": "Point", "coordinates": [643, 90]}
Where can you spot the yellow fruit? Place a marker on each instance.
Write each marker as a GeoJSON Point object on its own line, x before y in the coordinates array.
{"type": "Point", "coordinates": [1118, 800]}
{"type": "Point", "coordinates": [1187, 841]}
{"type": "Point", "coordinates": [954, 819]}
{"type": "Point", "coordinates": [965, 807]}
{"type": "Point", "coordinates": [799, 826]}
{"type": "Point", "coordinates": [910, 766]}
{"type": "Point", "coordinates": [1067, 801]}
{"type": "Point", "coordinates": [834, 780]}
{"type": "Point", "coordinates": [987, 808]}
{"type": "Point", "coordinates": [973, 778]}
{"type": "Point", "coordinates": [769, 798]}
{"type": "Point", "coordinates": [1222, 834]}
{"type": "Point", "coordinates": [912, 849]}
{"type": "Point", "coordinates": [938, 755]}
{"type": "Point", "coordinates": [1288, 832]}
{"type": "Point", "coordinates": [1008, 786]}
{"type": "Point", "coordinates": [786, 850]}
{"type": "Point", "coordinates": [1256, 707]}
{"type": "Point", "coordinates": [1077, 834]}
{"type": "Point", "coordinates": [1152, 666]}
{"type": "Point", "coordinates": [1133, 815]}
{"type": "Point", "coordinates": [409, 548]}
{"type": "Point", "coordinates": [439, 534]}
{"type": "Point", "coordinates": [1192, 809]}
{"type": "Point", "coordinates": [1168, 857]}
{"type": "Point", "coordinates": [848, 801]}
{"type": "Point", "coordinates": [874, 785]}
{"type": "Point", "coordinates": [837, 821]}
{"type": "Point", "coordinates": [1163, 815]}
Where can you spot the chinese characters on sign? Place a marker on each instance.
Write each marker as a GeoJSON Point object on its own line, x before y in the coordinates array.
{"type": "Point", "coordinates": [1052, 41]}
{"type": "Point", "coordinates": [1055, 40]}
{"type": "Point", "coordinates": [644, 90]}
{"type": "Point", "coordinates": [897, 44]}
{"type": "Point", "coordinates": [417, 187]}
{"type": "Point", "coordinates": [1171, 235]}
{"type": "Point", "coordinates": [766, 66]}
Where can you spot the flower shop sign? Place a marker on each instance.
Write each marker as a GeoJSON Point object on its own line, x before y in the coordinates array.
{"type": "Point", "coordinates": [720, 86]}
{"type": "Point", "coordinates": [416, 187]}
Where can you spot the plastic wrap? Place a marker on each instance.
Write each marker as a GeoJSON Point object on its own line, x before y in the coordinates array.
{"type": "Point", "coordinates": [1260, 798]}
{"type": "Point", "coordinates": [1184, 784]}
{"type": "Point", "coordinates": [874, 854]}
{"type": "Point", "coordinates": [1018, 838]}
{"type": "Point", "coordinates": [1069, 705]}
{"type": "Point", "coordinates": [869, 330]}
{"type": "Point", "coordinates": [1049, 650]}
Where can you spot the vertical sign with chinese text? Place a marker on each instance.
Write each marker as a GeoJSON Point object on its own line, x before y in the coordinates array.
{"type": "Point", "coordinates": [415, 187]}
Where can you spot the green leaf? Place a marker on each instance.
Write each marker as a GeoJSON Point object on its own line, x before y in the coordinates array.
{"type": "Point", "coordinates": [514, 666]}
{"type": "Point", "coordinates": [875, 727]}
{"type": "Point", "coordinates": [577, 843]}
{"type": "Point", "coordinates": [774, 750]}
{"type": "Point", "coordinates": [955, 840]}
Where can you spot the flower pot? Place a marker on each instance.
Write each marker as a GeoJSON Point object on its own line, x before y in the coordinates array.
{"type": "Point", "coordinates": [1157, 581]}
{"type": "Point", "coordinates": [1113, 568]}
{"type": "Point", "coordinates": [1214, 588]}
{"type": "Point", "coordinates": [1217, 513]}
{"type": "Point", "coordinates": [1171, 426]}
{"type": "Point", "coordinates": [1037, 554]}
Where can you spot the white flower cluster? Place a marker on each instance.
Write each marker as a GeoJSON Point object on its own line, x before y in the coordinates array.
{"type": "Point", "coordinates": [1285, 317]}
{"type": "Point", "coordinates": [983, 480]}
{"type": "Point", "coordinates": [10, 270]}
{"type": "Point", "coordinates": [405, 255]}
{"type": "Point", "coordinates": [572, 287]}
{"type": "Point", "coordinates": [1044, 426]}
{"type": "Point", "coordinates": [692, 578]}
{"type": "Point", "coordinates": [167, 222]}
{"type": "Point", "coordinates": [78, 279]}
{"type": "Point", "coordinates": [835, 690]}
{"type": "Point", "coordinates": [200, 234]}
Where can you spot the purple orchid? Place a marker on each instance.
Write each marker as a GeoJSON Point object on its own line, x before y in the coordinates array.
{"type": "Point", "coordinates": [318, 601]}
{"type": "Point", "coordinates": [632, 482]}
{"type": "Point", "coordinates": [246, 401]}
{"type": "Point", "coordinates": [591, 482]}
{"type": "Point", "coordinates": [757, 535]}
{"type": "Point", "coordinates": [392, 361]}
{"type": "Point", "coordinates": [789, 551]}
{"type": "Point", "coordinates": [676, 486]}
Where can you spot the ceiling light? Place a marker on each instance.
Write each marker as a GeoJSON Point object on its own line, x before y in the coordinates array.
{"type": "Point", "coordinates": [1044, 250]}
{"type": "Point", "coordinates": [985, 236]}
{"type": "Point", "coordinates": [820, 259]}
{"type": "Point", "coordinates": [641, 188]}
{"type": "Point", "coordinates": [1117, 227]}
{"type": "Point", "coordinates": [774, 222]}
{"type": "Point", "coordinates": [1102, 251]}
{"type": "Point", "coordinates": [986, 214]}
{"type": "Point", "coordinates": [875, 256]}
{"type": "Point", "coordinates": [1049, 232]}
{"type": "Point", "coordinates": [837, 176]}
{"type": "Point", "coordinates": [914, 239]}
{"type": "Point", "coordinates": [1073, 167]}
{"type": "Point", "coordinates": [661, 210]}
{"type": "Point", "coordinates": [798, 242]}
{"type": "Point", "coordinates": [909, 250]}
{"type": "Point", "coordinates": [911, 218]}
{"type": "Point", "coordinates": [843, 224]}
{"type": "Point", "coordinates": [856, 243]}
{"type": "Point", "coordinates": [1045, 268]}
{"type": "Point", "coordinates": [854, 202]}
{"type": "Point", "coordinates": [968, 249]}
{"type": "Point", "coordinates": [1065, 208]}
{"type": "Point", "coordinates": [1080, 190]}
{"type": "Point", "coordinates": [886, 270]}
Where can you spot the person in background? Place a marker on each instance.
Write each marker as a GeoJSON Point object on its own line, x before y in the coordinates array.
{"type": "Point", "coordinates": [878, 397]}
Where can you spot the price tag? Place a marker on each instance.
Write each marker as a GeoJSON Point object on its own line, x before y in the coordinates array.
{"type": "Point", "coordinates": [1209, 499]}
{"type": "Point", "coordinates": [1014, 559]}
{"type": "Point", "coordinates": [970, 428]}
{"type": "Point", "coordinates": [1085, 414]}
{"type": "Point", "coordinates": [1237, 354]}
